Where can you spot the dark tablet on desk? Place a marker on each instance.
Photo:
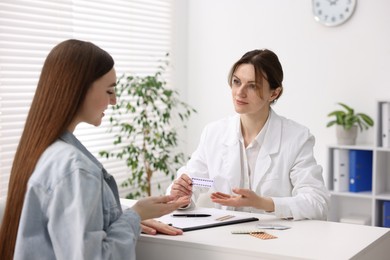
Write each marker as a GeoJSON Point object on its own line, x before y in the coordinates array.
{"type": "Point", "coordinates": [218, 224]}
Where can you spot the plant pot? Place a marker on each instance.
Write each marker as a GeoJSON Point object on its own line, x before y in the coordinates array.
{"type": "Point", "coordinates": [346, 137]}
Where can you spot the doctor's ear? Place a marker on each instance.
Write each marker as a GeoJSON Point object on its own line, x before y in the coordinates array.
{"type": "Point", "coordinates": [276, 94]}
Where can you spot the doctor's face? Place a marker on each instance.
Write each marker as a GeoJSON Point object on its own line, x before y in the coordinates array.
{"type": "Point", "coordinates": [250, 97]}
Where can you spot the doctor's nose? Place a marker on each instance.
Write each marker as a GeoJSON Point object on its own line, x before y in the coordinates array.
{"type": "Point", "coordinates": [242, 90]}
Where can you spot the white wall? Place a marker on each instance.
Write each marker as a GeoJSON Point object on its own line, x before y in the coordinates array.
{"type": "Point", "coordinates": [322, 65]}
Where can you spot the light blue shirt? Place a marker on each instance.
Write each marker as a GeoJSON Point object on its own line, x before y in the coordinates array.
{"type": "Point", "coordinates": [71, 209]}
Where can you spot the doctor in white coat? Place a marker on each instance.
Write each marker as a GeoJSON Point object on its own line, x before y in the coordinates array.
{"type": "Point", "coordinates": [259, 161]}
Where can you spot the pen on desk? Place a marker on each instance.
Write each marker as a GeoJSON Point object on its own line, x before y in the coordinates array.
{"type": "Point", "coordinates": [191, 215]}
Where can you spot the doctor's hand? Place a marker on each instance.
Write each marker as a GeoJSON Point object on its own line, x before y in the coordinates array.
{"type": "Point", "coordinates": [152, 227]}
{"type": "Point", "coordinates": [182, 186]}
{"type": "Point", "coordinates": [244, 198]}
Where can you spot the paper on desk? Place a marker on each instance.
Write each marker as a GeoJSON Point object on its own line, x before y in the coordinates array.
{"type": "Point", "coordinates": [218, 218]}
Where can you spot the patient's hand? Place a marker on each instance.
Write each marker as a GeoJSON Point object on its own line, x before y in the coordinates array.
{"type": "Point", "coordinates": [152, 227]}
{"type": "Point", "coordinates": [157, 206]}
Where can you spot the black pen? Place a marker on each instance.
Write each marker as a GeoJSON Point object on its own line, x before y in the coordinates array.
{"type": "Point", "coordinates": [191, 215]}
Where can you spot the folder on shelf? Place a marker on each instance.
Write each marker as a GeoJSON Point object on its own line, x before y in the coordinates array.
{"type": "Point", "coordinates": [386, 214]}
{"type": "Point", "coordinates": [340, 170]}
{"type": "Point", "coordinates": [360, 170]}
{"type": "Point", "coordinates": [385, 122]}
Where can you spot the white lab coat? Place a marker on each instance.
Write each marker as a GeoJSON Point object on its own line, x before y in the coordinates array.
{"type": "Point", "coordinates": [286, 169]}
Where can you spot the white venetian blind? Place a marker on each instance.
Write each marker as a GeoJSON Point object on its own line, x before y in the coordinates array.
{"type": "Point", "coordinates": [136, 33]}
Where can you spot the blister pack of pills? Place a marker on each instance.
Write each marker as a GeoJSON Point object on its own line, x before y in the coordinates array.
{"type": "Point", "coordinates": [255, 233]}
{"type": "Point", "coordinates": [202, 182]}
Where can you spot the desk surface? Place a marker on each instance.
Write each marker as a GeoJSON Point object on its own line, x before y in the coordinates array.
{"type": "Point", "coordinates": [307, 239]}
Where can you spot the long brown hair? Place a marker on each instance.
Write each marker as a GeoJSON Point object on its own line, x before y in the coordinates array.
{"type": "Point", "coordinates": [69, 70]}
{"type": "Point", "coordinates": [266, 64]}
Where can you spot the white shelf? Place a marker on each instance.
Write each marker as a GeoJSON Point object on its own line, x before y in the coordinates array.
{"type": "Point", "coordinates": [367, 204]}
{"type": "Point", "coordinates": [383, 196]}
{"type": "Point", "coordinates": [362, 195]}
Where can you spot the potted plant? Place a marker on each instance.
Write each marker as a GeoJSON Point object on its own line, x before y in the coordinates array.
{"type": "Point", "coordinates": [145, 121]}
{"type": "Point", "coordinates": [347, 123]}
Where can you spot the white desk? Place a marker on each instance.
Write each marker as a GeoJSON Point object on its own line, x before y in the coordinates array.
{"type": "Point", "coordinates": [307, 239]}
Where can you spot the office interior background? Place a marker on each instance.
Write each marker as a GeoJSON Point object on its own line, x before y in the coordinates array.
{"type": "Point", "coordinates": [323, 65]}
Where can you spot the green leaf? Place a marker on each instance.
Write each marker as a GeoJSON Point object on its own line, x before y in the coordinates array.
{"type": "Point", "coordinates": [348, 118]}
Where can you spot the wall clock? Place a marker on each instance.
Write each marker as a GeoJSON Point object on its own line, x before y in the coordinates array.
{"type": "Point", "coordinates": [333, 12]}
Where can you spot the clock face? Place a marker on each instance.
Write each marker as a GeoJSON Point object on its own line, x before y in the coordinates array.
{"type": "Point", "coordinates": [333, 12]}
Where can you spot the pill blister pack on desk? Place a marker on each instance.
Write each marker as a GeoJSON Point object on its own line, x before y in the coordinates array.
{"type": "Point", "coordinates": [263, 235]}
{"type": "Point", "coordinates": [243, 232]}
{"type": "Point", "coordinates": [255, 233]}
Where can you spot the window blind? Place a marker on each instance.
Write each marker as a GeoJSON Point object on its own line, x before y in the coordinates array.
{"type": "Point", "coordinates": [136, 33]}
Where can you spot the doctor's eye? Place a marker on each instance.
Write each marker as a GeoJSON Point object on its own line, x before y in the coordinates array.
{"type": "Point", "coordinates": [236, 82]}
{"type": "Point", "coordinates": [252, 86]}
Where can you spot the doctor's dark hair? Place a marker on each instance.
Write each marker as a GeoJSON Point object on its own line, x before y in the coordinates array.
{"type": "Point", "coordinates": [267, 66]}
{"type": "Point", "coordinates": [68, 72]}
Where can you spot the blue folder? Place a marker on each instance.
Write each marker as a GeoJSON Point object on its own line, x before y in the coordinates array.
{"type": "Point", "coordinates": [386, 214]}
{"type": "Point", "coordinates": [360, 170]}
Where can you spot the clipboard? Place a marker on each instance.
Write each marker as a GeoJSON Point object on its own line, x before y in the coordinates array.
{"type": "Point", "coordinates": [218, 218]}
{"type": "Point", "coordinates": [231, 222]}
